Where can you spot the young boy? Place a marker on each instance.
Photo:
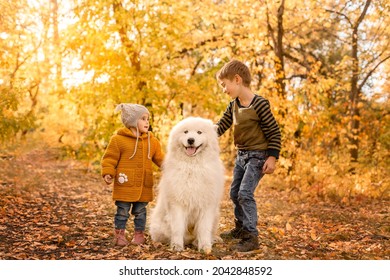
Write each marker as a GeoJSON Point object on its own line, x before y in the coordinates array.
{"type": "Point", "coordinates": [128, 162]}
{"type": "Point", "coordinates": [257, 139]}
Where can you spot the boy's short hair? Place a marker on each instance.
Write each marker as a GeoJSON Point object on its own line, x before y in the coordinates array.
{"type": "Point", "coordinates": [235, 67]}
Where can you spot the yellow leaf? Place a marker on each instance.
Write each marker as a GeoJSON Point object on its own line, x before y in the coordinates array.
{"type": "Point", "coordinates": [313, 234]}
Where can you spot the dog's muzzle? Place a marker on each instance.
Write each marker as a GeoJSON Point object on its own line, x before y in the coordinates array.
{"type": "Point", "coordinates": [191, 149]}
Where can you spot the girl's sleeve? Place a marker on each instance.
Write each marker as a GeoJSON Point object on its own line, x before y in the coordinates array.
{"type": "Point", "coordinates": [110, 158]}
{"type": "Point", "coordinates": [159, 155]}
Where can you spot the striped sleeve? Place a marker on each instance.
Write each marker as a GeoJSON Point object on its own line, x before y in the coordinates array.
{"type": "Point", "coordinates": [227, 119]}
{"type": "Point", "coordinates": [269, 126]}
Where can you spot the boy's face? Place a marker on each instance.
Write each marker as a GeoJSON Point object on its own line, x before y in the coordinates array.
{"type": "Point", "coordinates": [231, 87]}
{"type": "Point", "coordinates": [143, 123]}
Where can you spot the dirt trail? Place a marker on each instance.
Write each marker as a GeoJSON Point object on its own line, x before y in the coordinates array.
{"type": "Point", "coordinates": [51, 208]}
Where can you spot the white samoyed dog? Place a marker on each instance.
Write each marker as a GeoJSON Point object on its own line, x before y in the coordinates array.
{"type": "Point", "coordinates": [190, 189]}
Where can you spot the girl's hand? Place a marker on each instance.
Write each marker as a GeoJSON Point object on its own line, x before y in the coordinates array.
{"type": "Point", "coordinates": [269, 165]}
{"type": "Point", "coordinates": [108, 179]}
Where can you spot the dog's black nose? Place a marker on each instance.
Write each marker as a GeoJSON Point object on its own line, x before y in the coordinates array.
{"type": "Point", "coordinates": [190, 141]}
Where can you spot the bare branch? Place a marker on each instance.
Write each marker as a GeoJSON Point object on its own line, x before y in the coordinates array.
{"type": "Point", "coordinates": [341, 15]}
{"type": "Point", "coordinates": [363, 14]}
{"type": "Point", "coordinates": [371, 72]}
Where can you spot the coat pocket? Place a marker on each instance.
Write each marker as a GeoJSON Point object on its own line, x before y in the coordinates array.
{"type": "Point", "coordinates": [148, 178]}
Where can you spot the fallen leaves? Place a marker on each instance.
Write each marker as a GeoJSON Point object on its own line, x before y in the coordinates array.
{"type": "Point", "coordinates": [49, 212]}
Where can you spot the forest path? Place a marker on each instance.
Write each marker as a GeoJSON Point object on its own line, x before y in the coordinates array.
{"type": "Point", "coordinates": [54, 208]}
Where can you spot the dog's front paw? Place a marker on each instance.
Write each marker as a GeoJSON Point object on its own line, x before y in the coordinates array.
{"type": "Point", "coordinates": [205, 249]}
{"type": "Point", "coordinates": [177, 247]}
{"type": "Point", "coordinates": [204, 246]}
{"type": "Point", "coordinates": [217, 239]}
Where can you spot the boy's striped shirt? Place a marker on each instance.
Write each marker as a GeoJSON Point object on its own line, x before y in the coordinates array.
{"type": "Point", "coordinates": [255, 127]}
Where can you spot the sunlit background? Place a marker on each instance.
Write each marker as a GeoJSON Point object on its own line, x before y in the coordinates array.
{"type": "Point", "coordinates": [66, 64]}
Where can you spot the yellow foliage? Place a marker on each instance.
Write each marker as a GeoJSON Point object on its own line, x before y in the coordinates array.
{"type": "Point", "coordinates": [164, 54]}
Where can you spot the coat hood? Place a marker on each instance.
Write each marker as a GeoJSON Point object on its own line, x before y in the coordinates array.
{"type": "Point", "coordinates": [124, 131]}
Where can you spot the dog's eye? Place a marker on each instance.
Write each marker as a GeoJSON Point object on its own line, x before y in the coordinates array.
{"type": "Point", "coordinates": [199, 132]}
{"type": "Point", "coordinates": [185, 131]}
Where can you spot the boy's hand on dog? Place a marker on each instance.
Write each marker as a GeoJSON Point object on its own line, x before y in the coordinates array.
{"type": "Point", "coordinates": [269, 165]}
{"type": "Point", "coordinates": [108, 179]}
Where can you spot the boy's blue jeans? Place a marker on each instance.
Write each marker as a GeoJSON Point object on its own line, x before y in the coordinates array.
{"type": "Point", "coordinates": [138, 209]}
{"type": "Point", "coordinates": [246, 176]}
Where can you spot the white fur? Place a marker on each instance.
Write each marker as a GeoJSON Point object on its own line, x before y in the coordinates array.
{"type": "Point", "coordinates": [190, 189]}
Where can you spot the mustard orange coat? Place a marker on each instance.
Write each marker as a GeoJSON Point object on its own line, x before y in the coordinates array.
{"type": "Point", "coordinates": [133, 177]}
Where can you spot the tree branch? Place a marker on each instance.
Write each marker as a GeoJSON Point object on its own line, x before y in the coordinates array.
{"type": "Point", "coordinates": [371, 72]}
{"type": "Point", "coordinates": [341, 15]}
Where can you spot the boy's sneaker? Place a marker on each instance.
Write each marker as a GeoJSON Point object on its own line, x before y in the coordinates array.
{"type": "Point", "coordinates": [235, 233]}
{"type": "Point", "coordinates": [249, 242]}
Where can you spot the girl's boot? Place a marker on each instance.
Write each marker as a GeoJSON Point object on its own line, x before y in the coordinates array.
{"type": "Point", "coordinates": [120, 238]}
{"type": "Point", "coordinates": [138, 238]}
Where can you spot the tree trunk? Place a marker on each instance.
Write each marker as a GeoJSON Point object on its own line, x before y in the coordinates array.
{"type": "Point", "coordinates": [120, 14]}
{"type": "Point", "coordinates": [279, 62]}
{"type": "Point", "coordinates": [355, 94]}
{"type": "Point", "coordinates": [57, 48]}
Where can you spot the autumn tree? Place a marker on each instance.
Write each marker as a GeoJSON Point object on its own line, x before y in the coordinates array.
{"type": "Point", "coordinates": [322, 65]}
{"type": "Point", "coordinates": [22, 68]}
{"type": "Point", "coordinates": [366, 55]}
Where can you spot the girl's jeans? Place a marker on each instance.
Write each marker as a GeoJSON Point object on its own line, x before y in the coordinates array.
{"type": "Point", "coordinates": [122, 214]}
{"type": "Point", "coordinates": [246, 176]}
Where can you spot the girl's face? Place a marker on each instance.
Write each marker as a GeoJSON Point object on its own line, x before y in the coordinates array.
{"type": "Point", "coordinates": [230, 87]}
{"type": "Point", "coordinates": [143, 123]}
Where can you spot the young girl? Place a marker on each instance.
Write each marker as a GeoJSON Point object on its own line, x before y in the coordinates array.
{"type": "Point", "coordinates": [127, 162]}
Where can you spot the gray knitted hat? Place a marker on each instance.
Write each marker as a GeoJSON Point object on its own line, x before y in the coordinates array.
{"type": "Point", "coordinates": [131, 113]}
